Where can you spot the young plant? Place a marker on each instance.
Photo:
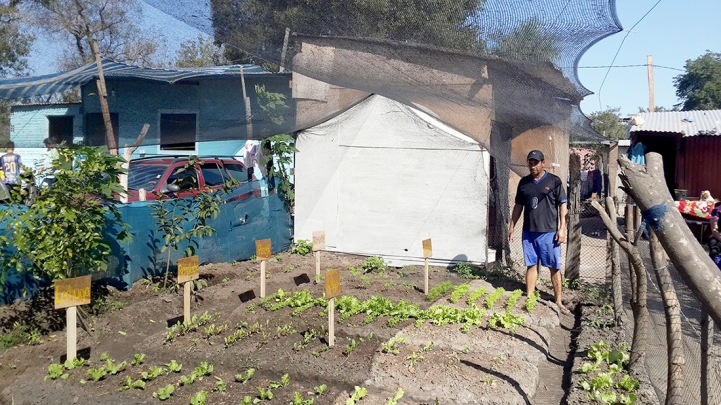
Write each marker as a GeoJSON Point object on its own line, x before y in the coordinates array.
{"type": "Point", "coordinates": [265, 394]}
{"type": "Point", "coordinates": [390, 346]}
{"type": "Point", "coordinates": [349, 348]}
{"type": "Point", "coordinates": [319, 390]}
{"type": "Point", "coordinates": [174, 366]}
{"type": "Point", "coordinates": [74, 363]}
{"type": "Point", "coordinates": [199, 398]}
{"type": "Point", "coordinates": [374, 263]}
{"type": "Point", "coordinates": [164, 392]}
{"type": "Point", "coordinates": [466, 270]}
{"type": "Point", "coordinates": [394, 400]}
{"type": "Point", "coordinates": [56, 371]}
{"type": "Point", "coordinates": [154, 373]}
{"type": "Point", "coordinates": [220, 385]}
{"type": "Point", "coordinates": [284, 381]}
{"type": "Point", "coordinates": [494, 296]}
{"type": "Point", "coordinates": [357, 395]}
{"type": "Point", "coordinates": [531, 301]}
{"type": "Point", "coordinates": [414, 358]}
{"type": "Point", "coordinates": [96, 374]}
{"type": "Point", "coordinates": [303, 247]}
{"type": "Point", "coordinates": [439, 290]}
{"type": "Point", "coordinates": [512, 299]}
{"type": "Point", "coordinates": [459, 292]}
{"type": "Point", "coordinates": [507, 320]}
{"type": "Point", "coordinates": [298, 400]}
{"type": "Point", "coordinates": [138, 359]}
{"type": "Point", "coordinates": [475, 295]}
{"type": "Point", "coordinates": [128, 384]}
{"type": "Point", "coordinates": [244, 378]}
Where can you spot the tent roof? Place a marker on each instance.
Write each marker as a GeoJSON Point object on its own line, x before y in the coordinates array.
{"type": "Point", "coordinates": [26, 87]}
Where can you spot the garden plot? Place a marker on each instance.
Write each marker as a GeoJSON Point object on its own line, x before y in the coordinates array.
{"type": "Point", "coordinates": [242, 349]}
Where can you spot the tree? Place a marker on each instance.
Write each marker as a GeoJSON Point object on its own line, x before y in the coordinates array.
{"type": "Point", "coordinates": [201, 52]}
{"type": "Point", "coordinates": [258, 26]}
{"type": "Point", "coordinates": [658, 109]}
{"type": "Point", "coordinates": [700, 87]}
{"type": "Point", "coordinates": [608, 123]}
{"type": "Point", "coordinates": [528, 42]}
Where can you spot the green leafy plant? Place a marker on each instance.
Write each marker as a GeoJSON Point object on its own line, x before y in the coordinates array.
{"type": "Point", "coordinates": [320, 389]}
{"type": "Point", "coordinates": [96, 374]}
{"type": "Point", "coordinates": [414, 358]}
{"type": "Point", "coordinates": [220, 385]}
{"type": "Point", "coordinates": [199, 398]}
{"type": "Point", "coordinates": [77, 362]}
{"type": "Point", "coordinates": [390, 346]}
{"type": "Point", "coordinates": [494, 296]}
{"type": "Point", "coordinates": [154, 373]}
{"type": "Point", "coordinates": [164, 392]}
{"type": "Point", "coordinates": [303, 247]}
{"type": "Point", "coordinates": [531, 301]}
{"type": "Point", "coordinates": [512, 299]}
{"type": "Point", "coordinates": [298, 400]}
{"type": "Point", "coordinates": [374, 263]}
{"type": "Point", "coordinates": [506, 320]}
{"type": "Point", "coordinates": [280, 151]}
{"type": "Point", "coordinates": [173, 215]}
{"type": "Point", "coordinates": [56, 371]}
{"type": "Point", "coordinates": [458, 293]}
{"type": "Point", "coordinates": [247, 400]}
{"type": "Point", "coordinates": [174, 366]}
{"type": "Point", "coordinates": [394, 400]}
{"type": "Point", "coordinates": [138, 359]}
{"type": "Point", "coordinates": [466, 270]}
{"type": "Point", "coordinates": [439, 290]}
{"type": "Point", "coordinates": [114, 369]}
{"type": "Point", "coordinates": [128, 384]}
{"type": "Point", "coordinates": [357, 395]}
{"type": "Point", "coordinates": [76, 210]}
{"type": "Point", "coordinates": [265, 394]}
{"type": "Point", "coordinates": [244, 378]}
{"type": "Point", "coordinates": [475, 295]}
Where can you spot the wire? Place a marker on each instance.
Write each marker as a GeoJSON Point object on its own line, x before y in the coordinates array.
{"type": "Point", "coordinates": [628, 66]}
{"type": "Point", "coordinates": [619, 50]}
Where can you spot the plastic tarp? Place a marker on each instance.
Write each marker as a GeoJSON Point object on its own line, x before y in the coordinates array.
{"type": "Point", "coordinates": [381, 177]}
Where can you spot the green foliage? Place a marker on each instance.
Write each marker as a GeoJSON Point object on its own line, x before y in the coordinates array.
{"type": "Point", "coordinates": [531, 301]}
{"type": "Point", "coordinates": [200, 52]}
{"type": "Point", "coordinates": [439, 290]}
{"type": "Point", "coordinates": [199, 398]}
{"type": "Point", "coordinates": [74, 211]}
{"type": "Point", "coordinates": [112, 368]}
{"type": "Point", "coordinates": [96, 374]}
{"type": "Point", "coordinates": [608, 123]}
{"type": "Point", "coordinates": [128, 384]}
{"type": "Point", "coordinates": [138, 359]}
{"type": "Point", "coordinates": [247, 400]}
{"type": "Point", "coordinates": [244, 378]}
{"type": "Point", "coordinates": [320, 390]}
{"type": "Point", "coordinates": [466, 270]}
{"type": "Point", "coordinates": [390, 346]}
{"type": "Point", "coordinates": [55, 371]}
{"type": "Point", "coordinates": [180, 329]}
{"type": "Point", "coordinates": [265, 394]}
{"type": "Point", "coordinates": [303, 247]}
{"type": "Point", "coordinates": [475, 295]}
{"type": "Point", "coordinates": [608, 364]}
{"type": "Point", "coordinates": [700, 86]}
{"type": "Point", "coordinates": [374, 263]}
{"type": "Point", "coordinates": [154, 373]}
{"type": "Point", "coordinates": [284, 381]}
{"type": "Point", "coordinates": [280, 150]}
{"type": "Point", "coordinates": [512, 299]}
{"type": "Point", "coordinates": [459, 292]}
{"type": "Point", "coordinates": [394, 400]}
{"type": "Point", "coordinates": [357, 395]}
{"type": "Point", "coordinates": [506, 320]}
{"type": "Point", "coordinates": [528, 42]}
{"type": "Point", "coordinates": [298, 400]}
{"type": "Point", "coordinates": [494, 296]}
{"type": "Point", "coordinates": [220, 385]}
{"type": "Point", "coordinates": [174, 366]}
{"type": "Point", "coordinates": [164, 393]}
{"type": "Point", "coordinates": [74, 363]}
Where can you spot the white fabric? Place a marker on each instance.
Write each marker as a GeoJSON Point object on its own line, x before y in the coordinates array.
{"type": "Point", "coordinates": [253, 156]}
{"type": "Point", "coordinates": [381, 177]}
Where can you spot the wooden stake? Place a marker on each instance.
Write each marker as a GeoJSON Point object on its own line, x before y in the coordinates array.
{"type": "Point", "coordinates": [284, 51]}
{"type": "Point", "coordinates": [425, 276]}
{"type": "Point", "coordinates": [707, 329]}
{"type": "Point", "coordinates": [71, 314]}
{"type": "Point", "coordinates": [186, 302]}
{"type": "Point", "coordinates": [331, 322]}
{"type": "Point", "coordinates": [649, 66]}
{"type": "Point", "coordinates": [317, 265]}
{"type": "Point", "coordinates": [262, 279]}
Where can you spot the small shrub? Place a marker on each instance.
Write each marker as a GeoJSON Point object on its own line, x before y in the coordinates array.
{"type": "Point", "coordinates": [374, 263]}
{"type": "Point", "coordinates": [466, 270]}
{"type": "Point", "coordinates": [303, 247]}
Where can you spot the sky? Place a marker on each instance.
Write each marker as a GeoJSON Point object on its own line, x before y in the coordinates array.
{"type": "Point", "coordinates": [672, 32]}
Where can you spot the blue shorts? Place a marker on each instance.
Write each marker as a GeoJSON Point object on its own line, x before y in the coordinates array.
{"type": "Point", "coordinates": [541, 246]}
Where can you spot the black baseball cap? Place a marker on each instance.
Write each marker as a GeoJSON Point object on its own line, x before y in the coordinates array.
{"type": "Point", "coordinates": [536, 155]}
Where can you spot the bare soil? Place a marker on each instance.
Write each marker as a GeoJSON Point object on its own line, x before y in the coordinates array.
{"type": "Point", "coordinates": [484, 365]}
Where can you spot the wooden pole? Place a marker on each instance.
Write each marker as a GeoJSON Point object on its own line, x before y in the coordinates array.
{"type": "Point", "coordinates": [649, 66]}
{"type": "Point", "coordinates": [71, 315]}
{"type": "Point", "coordinates": [615, 267]}
{"type": "Point", "coordinates": [317, 266]}
{"type": "Point", "coordinates": [262, 279]}
{"type": "Point", "coordinates": [707, 329]}
{"type": "Point", "coordinates": [331, 322]}
{"type": "Point", "coordinates": [103, 97]}
{"type": "Point", "coordinates": [284, 51]}
{"type": "Point", "coordinates": [186, 302]}
{"type": "Point", "coordinates": [573, 247]}
{"type": "Point", "coordinates": [246, 102]}
{"type": "Point", "coordinates": [425, 276]}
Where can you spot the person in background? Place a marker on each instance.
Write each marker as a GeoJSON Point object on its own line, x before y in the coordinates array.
{"type": "Point", "coordinates": [714, 243]}
{"type": "Point", "coordinates": [11, 165]}
{"type": "Point", "coordinates": [541, 197]}
{"type": "Point", "coordinates": [45, 171]}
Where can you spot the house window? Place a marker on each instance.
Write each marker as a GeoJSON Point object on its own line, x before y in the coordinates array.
{"type": "Point", "coordinates": [95, 129]}
{"type": "Point", "coordinates": [177, 132]}
{"type": "Point", "coordinates": [60, 129]}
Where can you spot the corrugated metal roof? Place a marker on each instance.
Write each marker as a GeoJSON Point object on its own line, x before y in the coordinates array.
{"type": "Point", "coordinates": [58, 82]}
{"type": "Point", "coordinates": [688, 123]}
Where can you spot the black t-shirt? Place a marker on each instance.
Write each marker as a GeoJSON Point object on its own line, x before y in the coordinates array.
{"type": "Point", "coordinates": [540, 200]}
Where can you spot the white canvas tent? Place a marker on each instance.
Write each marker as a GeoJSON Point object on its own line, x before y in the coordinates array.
{"type": "Point", "coordinates": [381, 177]}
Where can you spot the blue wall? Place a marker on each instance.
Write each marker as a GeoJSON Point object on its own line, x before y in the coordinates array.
{"type": "Point", "coordinates": [240, 223]}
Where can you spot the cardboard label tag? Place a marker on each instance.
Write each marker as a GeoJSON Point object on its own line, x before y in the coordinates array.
{"type": "Point", "coordinates": [188, 269]}
{"type": "Point", "coordinates": [318, 240]}
{"type": "Point", "coordinates": [332, 283]}
{"type": "Point", "coordinates": [427, 248]}
{"type": "Point", "coordinates": [263, 249]}
{"type": "Point", "coordinates": [72, 292]}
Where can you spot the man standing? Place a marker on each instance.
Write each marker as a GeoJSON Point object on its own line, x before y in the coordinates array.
{"type": "Point", "coordinates": [541, 196]}
{"type": "Point", "coordinates": [11, 165]}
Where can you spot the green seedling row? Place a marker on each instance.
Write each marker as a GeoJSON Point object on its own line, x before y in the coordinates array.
{"type": "Point", "coordinates": [459, 292]}
{"type": "Point", "coordinates": [494, 296]}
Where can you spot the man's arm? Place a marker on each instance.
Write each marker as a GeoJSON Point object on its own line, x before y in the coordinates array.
{"type": "Point", "coordinates": [561, 233]}
{"type": "Point", "coordinates": [517, 210]}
